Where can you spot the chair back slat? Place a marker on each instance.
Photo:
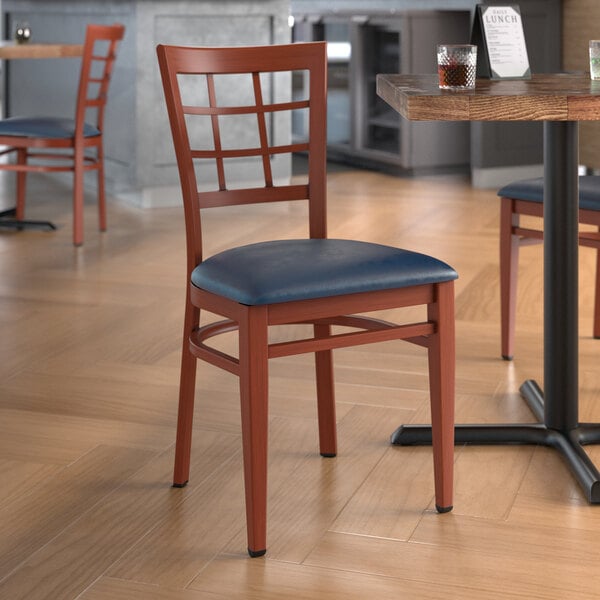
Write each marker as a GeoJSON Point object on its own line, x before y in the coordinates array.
{"type": "Point", "coordinates": [262, 130]}
{"type": "Point", "coordinates": [240, 110]}
{"type": "Point", "coordinates": [99, 54]}
{"type": "Point", "coordinates": [241, 152]}
{"type": "Point", "coordinates": [252, 196]}
{"type": "Point", "coordinates": [201, 116]}
{"type": "Point", "coordinates": [216, 131]}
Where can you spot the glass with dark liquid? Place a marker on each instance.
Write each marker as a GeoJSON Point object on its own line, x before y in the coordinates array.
{"type": "Point", "coordinates": [457, 64]}
{"type": "Point", "coordinates": [22, 33]}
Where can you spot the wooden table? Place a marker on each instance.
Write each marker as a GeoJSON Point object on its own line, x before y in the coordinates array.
{"type": "Point", "coordinates": [561, 101]}
{"type": "Point", "coordinates": [10, 50]}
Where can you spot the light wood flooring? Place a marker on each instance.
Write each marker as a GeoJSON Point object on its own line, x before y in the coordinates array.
{"type": "Point", "coordinates": [89, 360]}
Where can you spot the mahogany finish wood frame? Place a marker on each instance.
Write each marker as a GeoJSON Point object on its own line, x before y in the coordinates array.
{"type": "Point", "coordinates": [252, 322]}
{"type": "Point", "coordinates": [72, 156]}
{"type": "Point", "coordinates": [512, 237]}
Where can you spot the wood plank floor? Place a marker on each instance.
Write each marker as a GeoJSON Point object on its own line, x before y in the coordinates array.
{"type": "Point", "coordinates": [89, 363]}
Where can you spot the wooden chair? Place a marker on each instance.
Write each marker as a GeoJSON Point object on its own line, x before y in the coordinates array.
{"type": "Point", "coordinates": [526, 197]}
{"type": "Point", "coordinates": [317, 280]}
{"type": "Point", "coordinates": [35, 140]}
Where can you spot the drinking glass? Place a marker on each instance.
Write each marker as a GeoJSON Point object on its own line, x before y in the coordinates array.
{"type": "Point", "coordinates": [22, 33]}
{"type": "Point", "coordinates": [457, 64]}
{"type": "Point", "coordinates": [595, 59]}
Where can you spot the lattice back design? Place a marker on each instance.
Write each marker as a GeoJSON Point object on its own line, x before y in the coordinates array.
{"type": "Point", "coordinates": [99, 55]}
{"type": "Point", "coordinates": [198, 85]}
{"type": "Point", "coordinates": [245, 131]}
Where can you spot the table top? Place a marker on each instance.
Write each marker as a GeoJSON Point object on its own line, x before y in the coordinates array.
{"type": "Point", "coordinates": [11, 50]}
{"type": "Point", "coordinates": [551, 97]}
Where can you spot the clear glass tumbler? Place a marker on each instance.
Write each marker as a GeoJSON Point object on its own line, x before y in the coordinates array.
{"type": "Point", "coordinates": [595, 59]}
{"type": "Point", "coordinates": [457, 65]}
{"type": "Point", "coordinates": [22, 33]}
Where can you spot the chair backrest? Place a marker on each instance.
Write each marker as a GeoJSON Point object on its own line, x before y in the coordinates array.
{"type": "Point", "coordinates": [203, 114]}
{"type": "Point", "coordinates": [99, 54]}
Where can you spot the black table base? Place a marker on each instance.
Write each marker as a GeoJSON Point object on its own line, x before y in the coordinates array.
{"type": "Point", "coordinates": [568, 443]}
{"type": "Point", "coordinates": [557, 407]}
{"type": "Point", "coordinates": [7, 222]}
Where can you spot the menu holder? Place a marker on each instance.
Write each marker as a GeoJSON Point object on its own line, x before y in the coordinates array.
{"type": "Point", "coordinates": [501, 48]}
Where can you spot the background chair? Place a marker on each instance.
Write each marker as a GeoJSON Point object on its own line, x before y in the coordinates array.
{"type": "Point", "coordinates": [318, 281]}
{"type": "Point", "coordinates": [526, 197]}
{"type": "Point", "coordinates": [35, 140]}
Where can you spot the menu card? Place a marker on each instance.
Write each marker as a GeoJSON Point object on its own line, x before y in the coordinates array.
{"type": "Point", "coordinates": [501, 49]}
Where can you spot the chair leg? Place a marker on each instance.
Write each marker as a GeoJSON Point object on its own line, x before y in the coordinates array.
{"type": "Point", "coordinates": [254, 372]}
{"type": "Point", "coordinates": [597, 296]}
{"type": "Point", "coordinates": [187, 386]}
{"type": "Point", "coordinates": [78, 196]}
{"type": "Point", "coordinates": [101, 191]}
{"type": "Point", "coordinates": [325, 396]}
{"type": "Point", "coordinates": [509, 263]}
{"type": "Point", "coordinates": [442, 382]}
{"type": "Point", "coordinates": [21, 184]}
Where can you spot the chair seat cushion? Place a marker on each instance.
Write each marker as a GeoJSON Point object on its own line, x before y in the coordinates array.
{"type": "Point", "coordinates": [533, 190]}
{"type": "Point", "coordinates": [288, 270]}
{"type": "Point", "coordinates": [43, 127]}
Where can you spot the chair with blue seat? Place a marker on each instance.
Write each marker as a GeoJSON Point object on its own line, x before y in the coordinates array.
{"type": "Point", "coordinates": [318, 281]}
{"type": "Point", "coordinates": [525, 197]}
{"type": "Point", "coordinates": [51, 144]}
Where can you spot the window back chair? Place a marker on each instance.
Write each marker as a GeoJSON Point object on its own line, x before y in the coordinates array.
{"type": "Point", "coordinates": [317, 280]}
{"type": "Point", "coordinates": [50, 144]}
{"type": "Point", "coordinates": [526, 197]}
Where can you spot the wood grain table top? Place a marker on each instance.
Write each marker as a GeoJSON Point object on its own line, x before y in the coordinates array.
{"type": "Point", "coordinates": [10, 50]}
{"type": "Point", "coordinates": [551, 97]}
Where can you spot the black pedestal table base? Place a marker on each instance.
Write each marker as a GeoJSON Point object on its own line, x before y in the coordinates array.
{"type": "Point", "coordinates": [556, 408]}
{"type": "Point", "coordinates": [6, 222]}
{"type": "Point", "coordinates": [568, 443]}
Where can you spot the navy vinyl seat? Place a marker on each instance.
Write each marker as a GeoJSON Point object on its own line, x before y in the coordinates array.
{"type": "Point", "coordinates": [532, 190]}
{"type": "Point", "coordinates": [526, 197]}
{"type": "Point", "coordinates": [44, 127]}
{"type": "Point", "coordinates": [288, 270]}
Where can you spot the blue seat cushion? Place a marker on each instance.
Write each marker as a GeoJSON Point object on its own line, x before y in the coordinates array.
{"type": "Point", "coordinates": [533, 190]}
{"type": "Point", "coordinates": [44, 127]}
{"type": "Point", "coordinates": [288, 270]}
